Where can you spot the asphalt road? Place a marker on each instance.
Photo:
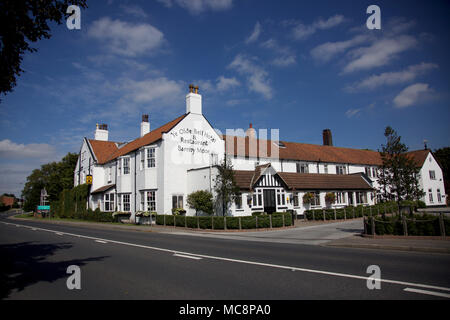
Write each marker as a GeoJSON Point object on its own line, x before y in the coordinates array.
{"type": "Point", "coordinates": [120, 264]}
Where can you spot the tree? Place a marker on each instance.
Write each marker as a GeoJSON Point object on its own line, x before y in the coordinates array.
{"type": "Point", "coordinates": [54, 177]}
{"type": "Point", "coordinates": [25, 21]}
{"type": "Point", "coordinates": [443, 157]}
{"type": "Point", "coordinates": [225, 187]}
{"type": "Point", "coordinates": [398, 173]}
{"type": "Point", "coordinates": [201, 201]}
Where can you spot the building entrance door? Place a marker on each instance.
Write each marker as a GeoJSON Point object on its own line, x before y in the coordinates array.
{"type": "Point", "coordinates": [270, 205]}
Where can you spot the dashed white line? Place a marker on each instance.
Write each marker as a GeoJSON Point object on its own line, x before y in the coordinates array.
{"type": "Point", "coordinates": [431, 293]}
{"type": "Point", "coordinates": [185, 256]}
{"type": "Point", "coordinates": [100, 241]}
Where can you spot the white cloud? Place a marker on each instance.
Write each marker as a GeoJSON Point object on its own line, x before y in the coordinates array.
{"type": "Point", "coordinates": [413, 94]}
{"type": "Point", "coordinates": [12, 150]}
{"type": "Point", "coordinates": [126, 39]}
{"type": "Point", "coordinates": [134, 10]}
{"type": "Point", "coordinates": [257, 77]}
{"type": "Point", "coordinates": [350, 113]}
{"type": "Point", "coordinates": [393, 78]}
{"type": "Point", "coordinates": [285, 56]}
{"type": "Point", "coordinates": [379, 53]}
{"type": "Point", "coordinates": [328, 50]}
{"type": "Point", "coordinates": [163, 90]}
{"type": "Point", "coordinates": [199, 6]}
{"type": "Point", "coordinates": [301, 31]}
{"type": "Point", "coordinates": [255, 34]}
{"type": "Point", "coordinates": [224, 84]}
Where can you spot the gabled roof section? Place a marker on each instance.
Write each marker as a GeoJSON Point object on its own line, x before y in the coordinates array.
{"type": "Point", "coordinates": [299, 151]}
{"type": "Point", "coordinates": [102, 149]}
{"type": "Point", "coordinates": [419, 156]}
{"type": "Point", "coordinates": [245, 180]}
{"type": "Point", "coordinates": [149, 138]}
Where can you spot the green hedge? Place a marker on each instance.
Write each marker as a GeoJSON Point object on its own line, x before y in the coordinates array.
{"type": "Point", "coordinates": [418, 225]}
{"type": "Point", "coordinates": [232, 223]}
{"type": "Point", "coordinates": [350, 211]}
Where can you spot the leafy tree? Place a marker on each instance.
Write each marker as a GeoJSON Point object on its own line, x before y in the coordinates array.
{"type": "Point", "coordinates": [201, 201]}
{"type": "Point", "coordinates": [225, 187]}
{"type": "Point", "coordinates": [443, 157]}
{"type": "Point", "coordinates": [398, 173]}
{"type": "Point", "coordinates": [54, 177]}
{"type": "Point", "coordinates": [25, 21]}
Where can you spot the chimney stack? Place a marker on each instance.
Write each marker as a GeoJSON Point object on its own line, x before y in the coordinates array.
{"type": "Point", "coordinates": [251, 132]}
{"type": "Point", "coordinates": [193, 100]}
{"type": "Point", "coordinates": [327, 138]}
{"type": "Point", "coordinates": [145, 125]}
{"type": "Point", "coordinates": [101, 132]}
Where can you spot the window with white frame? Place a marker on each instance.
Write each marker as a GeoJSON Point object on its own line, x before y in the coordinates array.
{"type": "Point", "coordinates": [295, 199]}
{"type": "Point", "coordinates": [430, 195]}
{"type": "Point", "coordinates": [142, 200]}
{"type": "Point", "coordinates": [439, 197]}
{"type": "Point", "coordinates": [151, 201]}
{"type": "Point", "coordinates": [126, 165]}
{"type": "Point", "coordinates": [109, 202]}
{"type": "Point", "coordinates": [126, 202]}
{"type": "Point", "coordinates": [109, 174]}
{"type": "Point", "coordinates": [142, 156]}
{"type": "Point", "coordinates": [361, 197]}
{"type": "Point", "coordinates": [119, 167]}
{"type": "Point", "coordinates": [151, 159]}
{"type": "Point", "coordinates": [325, 168]}
{"type": "Point", "coordinates": [281, 197]}
{"type": "Point", "coordinates": [315, 201]}
{"type": "Point", "coordinates": [340, 197]}
{"type": "Point", "coordinates": [341, 170]}
{"type": "Point", "coordinates": [119, 202]}
{"type": "Point", "coordinates": [302, 167]}
{"type": "Point", "coordinates": [238, 201]}
{"type": "Point", "coordinates": [368, 173]}
{"type": "Point", "coordinates": [177, 202]}
{"type": "Point", "coordinates": [432, 175]}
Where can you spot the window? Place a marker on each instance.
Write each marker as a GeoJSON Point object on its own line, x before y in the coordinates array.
{"type": "Point", "coordinates": [302, 167]}
{"type": "Point", "coordinates": [432, 175]}
{"type": "Point", "coordinates": [340, 197]}
{"type": "Point", "coordinates": [368, 171]}
{"type": "Point", "coordinates": [315, 202]}
{"type": "Point", "coordinates": [109, 202]}
{"type": "Point", "coordinates": [361, 197]}
{"type": "Point", "coordinates": [109, 174]}
{"type": "Point", "coordinates": [430, 195]}
{"type": "Point", "coordinates": [214, 159]}
{"type": "Point", "coordinates": [151, 201]}
{"type": "Point", "coordinates": [126, 202]}
{"type": "Point", "coordinates": [340, 170]}
{"type": "Point", "coordinates": [142, 201]}
{"type": "Point", "coordinates": [281, 197]}
{"type": "Point", "coordinates": [238, 201]}
{"type": "Point", "coordinates": [439, 198]}
{"type": "Point", "coordinates": [119, 167]}
{"type": "Point", "coordinates": [295, 199]}
{"type": "Point", "coordinates": [151, 160]}
{"type": "Point", "coordinates": [126, 165]}
{"type": "Point", "coordinates": [374, 173]}
{"type": "Point", "coordinates": [325, 167]}
{"type": "Point", "coordinates": [142, 155]}
{"type": "Point", "coordinates": [177, 202]}
{"type": "Point", "coordinates": [259, 197]}
{"type": "Point", "coordinates": [119, 203]}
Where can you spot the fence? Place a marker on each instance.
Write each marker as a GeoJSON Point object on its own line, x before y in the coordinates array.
{"type": "Point", "coordinates": [414, 225]}
{"type": "Point", "coordinates": [351, 212]}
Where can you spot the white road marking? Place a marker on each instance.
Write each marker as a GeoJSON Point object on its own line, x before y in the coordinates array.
{"type": "Point", "coordinates": [59, 233]}
{"type": "Point", "coordinates": [431, 293]}
{"type": "Point", "coordinates": [185, 256]}
{"type": "Point", "coordinates": [100, 241]}
{"type": "Point", "coordinates": [336, 274]}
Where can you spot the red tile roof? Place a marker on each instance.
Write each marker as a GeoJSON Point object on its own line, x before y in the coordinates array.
{"type": "Point", "coordinates": [419, 156]}
{"type": "Point", "coordinates": [102, 149]}
{"type": "Point", "coordinates": [147, 139]}
{"type": "Point", "coordinates": [300, 151]}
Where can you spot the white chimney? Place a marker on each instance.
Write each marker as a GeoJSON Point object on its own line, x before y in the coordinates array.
{"type": "Point", "coordinates": [101, 132]}
{"type": "Point", "coordinates": [145, 125]}
{"type": "Point", "coordinates": [251, 132]}
{"type": "Point", "coordinates": [193, 101]}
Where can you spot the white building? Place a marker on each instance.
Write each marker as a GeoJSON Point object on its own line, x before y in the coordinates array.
{"type": "Point", "coordinates": [158, 170]}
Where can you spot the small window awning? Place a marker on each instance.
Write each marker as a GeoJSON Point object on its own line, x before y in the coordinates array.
{"type": "Point", "coordinates": [103, 189]}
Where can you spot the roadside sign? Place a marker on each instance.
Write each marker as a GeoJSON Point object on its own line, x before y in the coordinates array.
{"type": "Point", "coordinates": [89, 179]}
{"type": "Point", "coordinates": [44, 208]}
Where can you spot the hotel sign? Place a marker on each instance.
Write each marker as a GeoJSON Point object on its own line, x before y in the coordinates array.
{"type": "Point", "coordinates": [191, 140]}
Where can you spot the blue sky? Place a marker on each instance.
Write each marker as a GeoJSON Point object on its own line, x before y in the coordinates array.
{"type": "Point", "coordinates": [296, 66]}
